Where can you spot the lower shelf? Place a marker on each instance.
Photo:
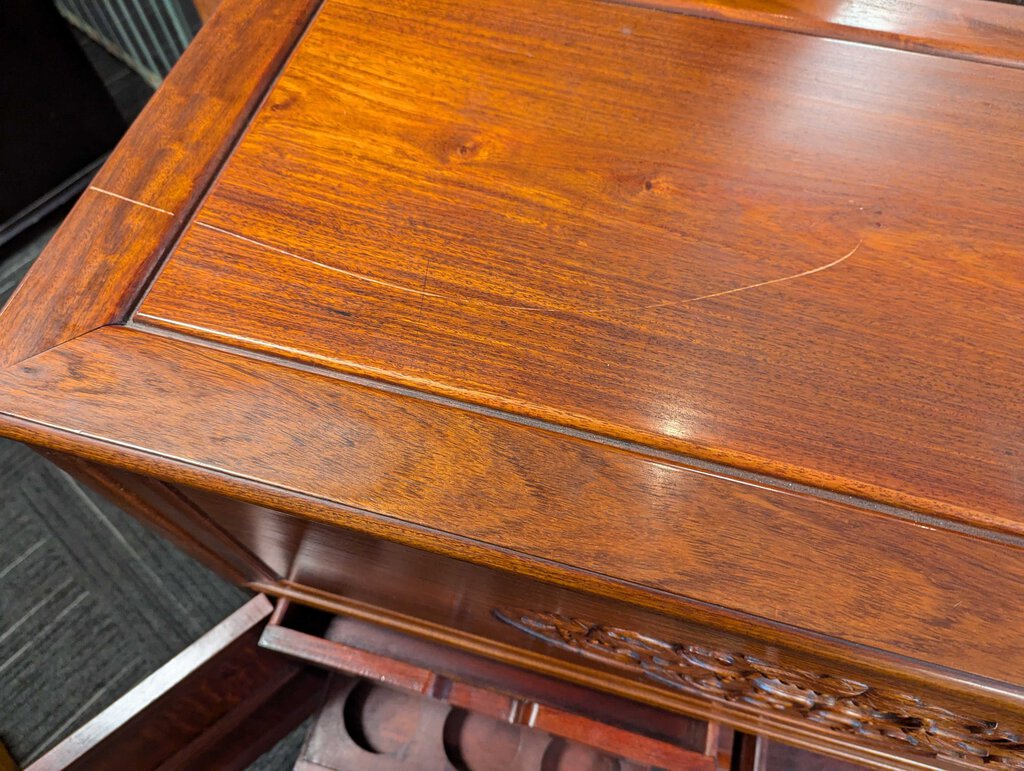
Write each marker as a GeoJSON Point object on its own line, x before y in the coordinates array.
{"type": "Point", "coordinates": [385, 701]}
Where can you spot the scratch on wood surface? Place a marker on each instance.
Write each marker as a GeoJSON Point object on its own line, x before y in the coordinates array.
{"type": "Point", "coordinates": [452, 298]}
{"type": "Point", "coordinates": [342, 271]}
{"type": "Point", "coordinates": [759, 283]}
{"type": "Point", "coordinates": [131, 200]}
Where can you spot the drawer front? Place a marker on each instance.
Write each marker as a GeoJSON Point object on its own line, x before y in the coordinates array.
{"type": "Point", "coordinates": [812, 691]}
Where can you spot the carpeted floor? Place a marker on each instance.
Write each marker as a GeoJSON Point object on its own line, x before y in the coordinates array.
{"type": "Point", "coordinates": [91, 602]}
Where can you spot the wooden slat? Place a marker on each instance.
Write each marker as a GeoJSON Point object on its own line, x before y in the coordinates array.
{"type": "Point", "coordinates": [222, 700]}
{"type": "Point", "coordinates": [618, 726]}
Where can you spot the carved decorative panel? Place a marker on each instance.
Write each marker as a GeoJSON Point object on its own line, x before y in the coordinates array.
{"type": "Point", "coordinates": [902, 720]}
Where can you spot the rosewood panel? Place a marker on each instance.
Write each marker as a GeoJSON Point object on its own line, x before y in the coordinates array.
{"type": "Point", "coordinates": [791, 254]}
{"type": "Point", "coordinates": [778, 680]}
{"type": "Point", "coordinates": [579, 513]}
{"type": "Point", "coordinates": [671, 349]}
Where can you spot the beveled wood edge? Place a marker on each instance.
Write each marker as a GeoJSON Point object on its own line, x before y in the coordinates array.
{"type": "Point", "coordinates": [180, 471]}
{"type": "Point", "coordinates": [658, 601]}
{"type": "Point", "coordinates": [167, 191]}
{"type": "Point", "coordinates": [725, 463]}
{"type": "Point", "coordinates": [162, 681]}
{"type": "Point", "coordinates": [785, 729]}
{"type": "Point", "coordinates": [972, 30]}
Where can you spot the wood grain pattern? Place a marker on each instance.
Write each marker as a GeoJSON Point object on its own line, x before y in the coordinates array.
{"type": "Point", "coordinates": [785, 253]}
{"type": "Point", "coordinates": [484, 489]}
{"type": "Point", "coordinates": [976, 30]}
{"type": "Point", "coordinates": [696, 323]}
{"type": "Point", "coordinates": [105, 253]}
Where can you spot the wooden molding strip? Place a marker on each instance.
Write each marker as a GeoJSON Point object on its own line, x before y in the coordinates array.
{"type": "Point", "coordinates": [974, 30]}
{"type": "Point", "coordinates": [711, 516]}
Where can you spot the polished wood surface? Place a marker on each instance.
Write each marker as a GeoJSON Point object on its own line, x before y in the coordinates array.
{"type": "Point", "coordinates": [526, 327]}
{"type": "Point", "coordinates": [967, 29]}
{"type": "Point", "coordinates": [109, 247]}
{"type": "Point", "coordinates": [783, 252]}
{"type": "Point", "coordinates": [576, 512]}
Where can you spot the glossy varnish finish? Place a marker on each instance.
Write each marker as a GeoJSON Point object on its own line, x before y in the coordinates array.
{"type": "Point", "coordinates": [784, 252]}
{"type": "Point", "coordinates": [485, 489]}
{"type": "Point", "coordinates": [978, 31]}
{"type": "Point", "coordinates": [634, 319]}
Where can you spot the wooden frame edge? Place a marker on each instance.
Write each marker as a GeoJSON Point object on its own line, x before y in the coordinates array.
{"type": "Point", "coordinates": [969, 30]}
{"type": "Point", "coordinates": [109, 247]}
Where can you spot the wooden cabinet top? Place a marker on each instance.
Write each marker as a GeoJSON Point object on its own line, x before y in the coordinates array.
{"type": "Point", "coordinates": [619, 294]}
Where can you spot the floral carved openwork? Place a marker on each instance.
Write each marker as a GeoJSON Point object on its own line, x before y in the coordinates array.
{"type": "Point", "coordinates": [903, 721]}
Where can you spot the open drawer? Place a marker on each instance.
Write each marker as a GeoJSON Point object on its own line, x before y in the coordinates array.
{"type": "Point", "coordinates": [401, 702]}
{"type": "Point", "coordinates": [384, 701]}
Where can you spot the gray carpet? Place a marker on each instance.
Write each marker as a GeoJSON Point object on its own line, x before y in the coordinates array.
{"type": "Point", "coordinates": [91, 602]}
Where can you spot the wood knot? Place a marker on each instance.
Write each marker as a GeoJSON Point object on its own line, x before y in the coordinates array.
{"type": "Point", "coordinates": [462, 147]}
